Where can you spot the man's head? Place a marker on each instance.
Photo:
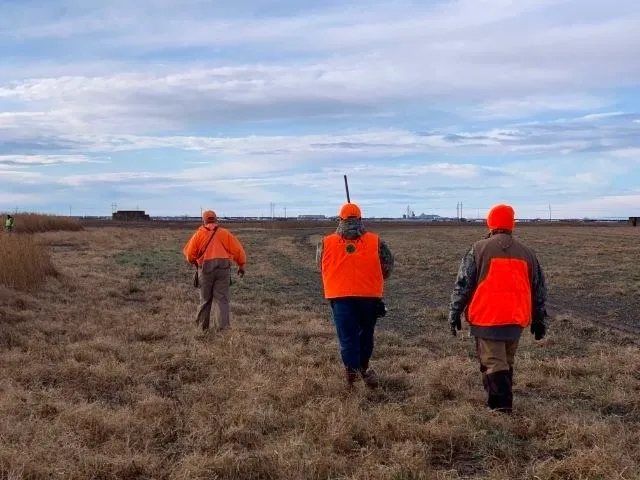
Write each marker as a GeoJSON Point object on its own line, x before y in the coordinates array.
{"type": "Point", "coordinates": [501, 217]}
{"type": "Point", "coordinates": [350, 211]}
{"type": "Point", "coordinates": [209, 216]}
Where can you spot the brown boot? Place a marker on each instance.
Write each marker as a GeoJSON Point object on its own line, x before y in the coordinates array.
{"type": "Point", "coordinates": [370, 378]}
{"type": "Point", "coordinates": [351, 376]}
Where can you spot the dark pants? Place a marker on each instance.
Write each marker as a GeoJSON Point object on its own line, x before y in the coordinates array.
{"type": "Point", "coordinates": [355, 320]}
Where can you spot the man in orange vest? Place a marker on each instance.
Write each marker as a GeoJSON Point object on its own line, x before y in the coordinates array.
{"type": "Point", "coordinates": [501, 289]}
{"type": "Point", "coordinates": [354, 264]}
{"type": "Point", "coordinates": [211, 249]}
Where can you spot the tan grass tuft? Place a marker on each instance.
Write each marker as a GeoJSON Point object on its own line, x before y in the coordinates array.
{"type": "Point", "coordinates": [24, 263]}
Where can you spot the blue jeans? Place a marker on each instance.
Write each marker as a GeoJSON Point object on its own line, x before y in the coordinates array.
{"type": "Point", "coordinates": [355, 320]}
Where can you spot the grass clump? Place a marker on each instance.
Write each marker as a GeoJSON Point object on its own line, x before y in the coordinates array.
{"type": "Point", "coordinates": [24, 263]}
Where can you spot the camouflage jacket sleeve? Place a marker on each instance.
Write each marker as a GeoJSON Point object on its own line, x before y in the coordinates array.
{"type": "Point", "coordinates": [465, 285]}
{"type": "Point", "coordinates": [386, 259]}
{"type": "Point", "coordinates": [539, 293]}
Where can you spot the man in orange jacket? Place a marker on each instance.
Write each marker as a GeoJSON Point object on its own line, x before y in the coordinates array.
{"type": "Point", "coordinates": [501, 289]}
{"type": "Point", "coordinates": [212, 248]}
{"type": "Point", "coordinates": [354, 264]}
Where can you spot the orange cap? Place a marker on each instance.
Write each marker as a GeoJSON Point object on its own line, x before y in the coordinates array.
{"type": "Point", "coordinates": [350, 210]}
{"type": "Point", "coordinates": [209, 216]}
{"type": "Point", "coordinates": [501, 217]}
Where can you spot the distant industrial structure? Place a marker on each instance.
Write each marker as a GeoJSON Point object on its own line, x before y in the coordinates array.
{"type": "Point", "coordinates": [634, 221]}
{"type": "Point", "coordinates": [130, 215]}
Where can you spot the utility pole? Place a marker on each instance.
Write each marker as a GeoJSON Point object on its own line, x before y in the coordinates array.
{"type": "Point", "coordinates": [458, 211]}
{"type": "Point", "coordinates": [285, 212]}
{"type": "Point", "coordinates": [549, 212]}
{"type": "Point", "coordinates": [69, 210]}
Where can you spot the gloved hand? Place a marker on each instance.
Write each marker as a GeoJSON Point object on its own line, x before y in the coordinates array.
{"type": "Point", "coordinates": [455, 322]}
{"type": "Point", "coordinates": [539, 325]}
{"type": "Point", "coordinates": [241, 271]}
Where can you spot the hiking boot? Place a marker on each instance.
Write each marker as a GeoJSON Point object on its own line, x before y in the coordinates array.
{"type": "Point", "coordinates": [351, 376]}
{"type": "Point", "coordinates": [370, 378]}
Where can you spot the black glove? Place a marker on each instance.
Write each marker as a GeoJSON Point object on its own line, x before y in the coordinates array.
{"type": "Point", "coordinates": [241, 271]}
{"type": "Point", "coordinates": [539, 325]}
{"type": "Point", "coordinates": [381, 309]}
{"type": "Point", "coordinates": [455, 322]}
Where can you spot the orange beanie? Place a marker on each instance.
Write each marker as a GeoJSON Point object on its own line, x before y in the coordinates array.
{"type": "Point", "coordinates": [350, 210]}
{"type": "Point", "coordinates": [209, 216]}
{"type": "Point", "coordinates": [501, 217]}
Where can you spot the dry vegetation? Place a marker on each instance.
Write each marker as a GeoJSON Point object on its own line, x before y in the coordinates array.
{"type": "Point", "coordinates": [24, 264]}
{"type": "Point", "coordinates": [35, 222]}
{"type": "Point", "coordinates": [104, 375]}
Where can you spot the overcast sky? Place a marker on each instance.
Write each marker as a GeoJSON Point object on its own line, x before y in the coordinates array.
{"type": "Point", "coordinates": [170, 106]}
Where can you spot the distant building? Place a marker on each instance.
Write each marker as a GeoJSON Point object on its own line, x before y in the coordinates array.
{"type": "Point", "coordinates": [130, 215]}
{"type": "Point", "coordinates": [312, 217]}
{"type": "Point", "coordinates": [634, 221]}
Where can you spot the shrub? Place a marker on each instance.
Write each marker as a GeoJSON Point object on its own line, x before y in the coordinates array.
{"type": "Point", "coordinates": [24, 263]}
{"type": "Point", "coordinates": [35, 222]}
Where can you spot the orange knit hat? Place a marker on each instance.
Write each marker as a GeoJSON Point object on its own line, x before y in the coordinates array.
{"type": "Point", "coordinates": [501, 217]}
{"type": "Point", "coordinates": [350, 210]}
{"type": "Point", "coordinates": [209, 216]}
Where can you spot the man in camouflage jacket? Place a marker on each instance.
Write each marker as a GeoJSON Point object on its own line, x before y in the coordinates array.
{"type": "Point", "coordinates": [501, 289]}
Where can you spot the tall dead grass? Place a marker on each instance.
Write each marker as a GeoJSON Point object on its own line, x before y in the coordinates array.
{"type": "Point", "coordinates": [36, 222]}
{"type": "Point", "coordinates": [24, 263]}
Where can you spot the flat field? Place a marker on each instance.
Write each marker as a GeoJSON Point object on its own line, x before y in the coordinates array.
{"type": "Point", "coordinates": [105, 376]}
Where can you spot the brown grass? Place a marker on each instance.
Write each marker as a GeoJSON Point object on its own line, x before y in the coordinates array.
{"type": "Point", "coordinates": [104, 375]}
{"type": "Point", "coordinates": [24, 263]}
{"type": "Point", "coordinates": [35, 222]}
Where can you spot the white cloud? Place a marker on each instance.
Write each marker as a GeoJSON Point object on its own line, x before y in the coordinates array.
{"type": "Point", "coordinates": [8, 198]}
{"type": "Point", "coordinates": [527, 106]}
{"type": "Point", "coordinates": [510, 54]}
{"type": "Point", "coordinates": [41, 160]}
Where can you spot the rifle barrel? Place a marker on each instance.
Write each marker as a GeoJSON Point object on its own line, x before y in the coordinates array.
{"type": "Point", "coordinates": [346, 187]}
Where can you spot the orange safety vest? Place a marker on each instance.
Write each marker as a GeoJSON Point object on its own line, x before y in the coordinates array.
{"type": "Point", "coordinates": [223, 246]}
{"type": "Point", "coordinates": [503, 297]}
{"type": "Point", "coordinates": [351, 268]}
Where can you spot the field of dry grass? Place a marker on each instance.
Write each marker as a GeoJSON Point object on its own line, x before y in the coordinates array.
{"type": "Point", "coordinates": [27, 222]}
{"type": "Point", "coordinates": [104, 374]}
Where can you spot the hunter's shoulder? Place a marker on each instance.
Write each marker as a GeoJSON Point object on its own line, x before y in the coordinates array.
{"type": "Point", "coordinates": [523, 246]}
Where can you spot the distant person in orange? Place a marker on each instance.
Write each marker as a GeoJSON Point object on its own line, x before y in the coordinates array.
{"type": "Point", "coordinates": [354, 264]}
{"type": "Point", "coordinates": [212, 248]}
{"type": "Point", "coordinates": [501, 289]}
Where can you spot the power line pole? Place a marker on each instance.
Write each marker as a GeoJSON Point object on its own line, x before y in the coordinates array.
{"type": "Point", "coordinates": [458, 211]}
{"type": "Point", "coordinates": [285, 212]}
{"type": "Point", "coordinates": [549, 212]}
{"type": "Point", "coordinates": [461, 217]}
